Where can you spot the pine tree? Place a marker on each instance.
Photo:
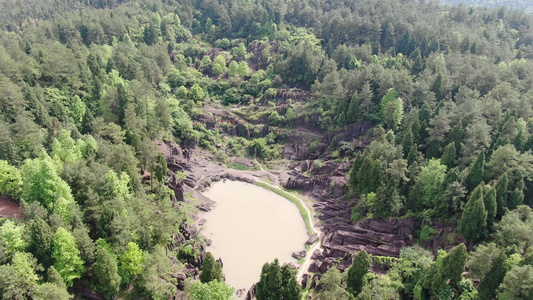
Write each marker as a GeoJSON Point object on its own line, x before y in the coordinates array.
{"type": "Point", "coordinates": [489, 197]}
{"type": "Point", "coordinates": [407, 141]}
{"type": "Point", "coordinates": [358, 161]}
{"type": "Point", "coordinates": [353, 110]}
{"type": "Point", "coordinates": [474, 218]}
{"type": "Point", "coordinates": [290, 289]}
{"type": "Point", "coordinates": [437, 87]}
{"type": "Point", "coordinates": [388, 202]}
{"type": "Point", "coordinates": [376, 177]}
{"type": "Point", "coordinates": [363, 176]}
{"type": "Point", "coordinates": [489, 285]}
{"type": "Point", "coordinates": [476, 172]}
{"type": "Point", "coordinates": [107, 272]}
{"type": "Point", "coordinates": [457, 135]}
{"type": "Point", "coordinates": [516, 196]}
{"type": "Point", "coordinates": [211, 269]}
{"type": "Point", "coordinates": [451, 268]}
{"type": "Point", "coordinates": [448, 156]}
{"type": "Point", "coordinates": [356, 273]}
{"type": "Point", "coordinates": [501, 188]}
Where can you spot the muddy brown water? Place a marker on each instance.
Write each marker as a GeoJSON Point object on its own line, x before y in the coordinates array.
{"type": "Point", "coordinates": [249, 226]}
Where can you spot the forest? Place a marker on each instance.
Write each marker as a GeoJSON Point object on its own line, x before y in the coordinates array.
{"type": "Point", "coordinates": [86, 87]}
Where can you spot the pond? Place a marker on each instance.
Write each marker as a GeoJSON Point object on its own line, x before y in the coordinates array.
{"type": "Point", "coordinates": [250, 226]}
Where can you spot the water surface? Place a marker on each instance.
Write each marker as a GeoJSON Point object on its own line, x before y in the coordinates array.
{"type": "Point", "coordinates": [249, 226]}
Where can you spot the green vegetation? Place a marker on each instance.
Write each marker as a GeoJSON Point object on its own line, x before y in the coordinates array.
{"type": "Point", "coordinates": [87, 87]}
{"type": "Point", "coordinates": [294, 200]}
{"type": "Point", "coordinates": [278, 283]}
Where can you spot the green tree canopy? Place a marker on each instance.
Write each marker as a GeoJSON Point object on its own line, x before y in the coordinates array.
{"type": "Point", "coordinates": [356, 274]}
{"type": "Point", "coordinates": [474, 218]}
{"type": "Point", "coordinates": [68, 262]}
{"type": "Point", "coordinates": [211, 269]}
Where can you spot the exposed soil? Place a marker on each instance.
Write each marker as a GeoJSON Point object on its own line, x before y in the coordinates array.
{"type": "Point", "coordinates": [8, 208]}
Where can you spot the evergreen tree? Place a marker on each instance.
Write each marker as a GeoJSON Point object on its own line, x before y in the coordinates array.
{"type": "Point", "coordinates": [342, 108]}
{"type": "Point", "coordinates": [489, 285]}
{"type": "Point", "coordinates": [457, 135]}
{"type": "Point", "coordinates": [476, 173]}
{"type": "Point", "coordinates": [407, 141]}
{"type": "Point", "coordinates": [363, 176]}
{"type": "Point", "coordinates": [376, 177]}
{"type": "Point", "coordinates": [211, 269]}
{"type": "Point", "coordinates": [271, 282]}
{"type": "Point", "coordinates": [53, 277]}
{"type": "Point", "coordinates": [353, 110]}
{"type": "Point", "coordinates": [474, 218]}
{"type": "Point", "coordinates": [437, 87]}
{"type": "Point", "coordinates": [356, 273]}
{"type": "Point", "coordinates": [290, 289]}
{"type": "Point", "coordinates": [357, 163]}
{"type": "Point", "coordinates": [489, 197]}
{"type": "Point", "coordinates": [501, 188]}
{"type": "Point", "coordinates": [387, 202]}
{"type": "Point", "coordinates": [452, 266]}
{"type": "Point", "coordinates": [516, 196]}
{"type": "Point", "coordinates": [107, 272]}
{"type": "Point", "coordinates": [448, 156]}
{"type": "Point", "coordinates": [122, 103]}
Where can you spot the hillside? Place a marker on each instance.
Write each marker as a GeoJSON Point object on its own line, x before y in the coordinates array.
{"type": "Point", "coordinates": [409, 124]}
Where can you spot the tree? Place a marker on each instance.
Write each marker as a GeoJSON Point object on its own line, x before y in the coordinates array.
{"type": "Point", "coordinates": [515, 228]}
{"type": "Point", "coordinates": [243, 70]}
{"type": "Point", "coordinates": [41, 241]}
{"type": "Point", "coordinates": [160, 168]}
{"type": "Point", "coordinates": [107, 272]}
{"type": "Point", "coordinates": [489, 197]}
{"type": "Point", "coordinates": [516, 196]}
{"type": "Point", "coordinates": [501, 188]}
{"type": "Point", "coordinates": [448, 156]}
{"type": "Point", "coordinates": [390, 97]}
{"type": "Point", "coordinates": [43, 184]}
{"type": "Point", "coordinates": [197, 93]}
{"type": "Point", "coordinates": [517, 283]}
{"type": "Point", "coordinates": [387, 202]}
{"type": "Point", "coordinates": [18, 279]}
{"type": "Point", "coordinates": [239, 51]}
{"type": "Point", "coordinates": [130, 262]}
{"type": "Point", "coordinates": [476, 173]}
{"type": "Point", "coordinates": [158, 274]}
{"type": "Point", "coordinates": [271, 282]}
{"type": "Point", "coordinates": [48, 290]}
{"type": "Point", "coordinates": [10, 180]}
{"type": "Point", "coordinates": [360, 266]}
{"type": "Point", "coordinates": [431, 178]}
{"type": "Point", "coordinates": [52, 276]}
{"type": "Point", "coordinates": [451, 268]}
{"type": "Point", "coordinates": [213, 290]}
{"type": "Point", "coordinates": [393, 114]}
{"type": "Point", "coordinates": [211, 269]}
{"type": "Point", "coordinates": [352, 114]}
{"type": "Point", "coordinates": [233, 69]}
{"type": "Point", "coordinates": [291, 289]}
{"type": "Point", "coordinates": [489, 285]}
{"type": "Point", "coordinates": [474, 217]}
{"type": "Point", "coordinates": [11, 240]}
{"type": "Point", "coordinates": [66, 255]}
{"type": "Point", "coordinates": [332, 286]}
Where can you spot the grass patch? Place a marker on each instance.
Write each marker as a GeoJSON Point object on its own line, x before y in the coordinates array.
{"type": "Point", "coordinates": [294, 200]}
{"type": "Point", "coordinates": [237, 166]}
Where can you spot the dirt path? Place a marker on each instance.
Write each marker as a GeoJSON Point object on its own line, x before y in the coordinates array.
{"type": "Point", "coordinates": [305, 266]}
